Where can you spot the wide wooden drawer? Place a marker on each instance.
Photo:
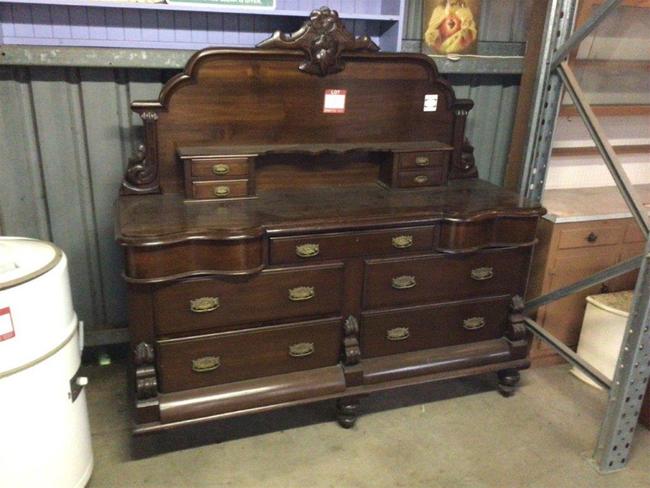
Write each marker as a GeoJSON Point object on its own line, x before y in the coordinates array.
{"type": "Point", "coordinates": [234, 356]}
{"type": "Point", "coordinates": [220, 189]}
{"type": "Point", "coordinates": [423, 160]}
{"type": "Point", "coordinates": [444, 277]}
{"type": "Point", "coordinates": [417, 178]}
{"type": "Point", "coordinates": [427, 327]}
{"type": "Point", "coordinates": [219, 168]}
{"type": "Point", "coordinates": [590, 234]}
{"type": "Point", "coordinates": [271, 295]}
{"type": "Point", "coordinates": [299, 249]}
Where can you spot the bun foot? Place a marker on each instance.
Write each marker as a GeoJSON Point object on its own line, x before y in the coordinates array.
{"type": "Point", "coordinates": [508, 379]}
{"type": "Point", "coordinates": [347, 412]}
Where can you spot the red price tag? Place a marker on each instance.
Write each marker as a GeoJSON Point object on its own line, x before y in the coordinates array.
{"type": "Point", "coordinates": [6, 324]}
{"type": "Point", "coordinates": [334, 102]}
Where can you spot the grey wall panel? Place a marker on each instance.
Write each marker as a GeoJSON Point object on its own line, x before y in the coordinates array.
{"type": "Point", "coordinates": [66, 136]}
{"type": "Point", "coordinates": [24, 206]}
{"type": "Point", "coordinates": [489, 125]}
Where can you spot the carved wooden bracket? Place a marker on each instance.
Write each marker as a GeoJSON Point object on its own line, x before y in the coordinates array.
{"type": "Point", "coordinates": [351, 349]}
{"type": "Point", "coordinates": [516, 331]}
{"type": "Point", "coordinates": [323, 38]}
{"type": "Point", "coordinates": [463, 163]}
{"type": "Point", "coordinates": [142, 171]}
{"type": "Point", "coordinates": [146, 383]}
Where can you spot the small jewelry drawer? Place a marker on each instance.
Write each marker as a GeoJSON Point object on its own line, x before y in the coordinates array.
{"type": "Point", "coordinates": [398, 241]}
{"type": "Point", "coordinates": [217, 190]}
{"type": "Point", "coordinates": [439, 278]}
{"type": "Point", "coordinates": [423, 160]}
{"type": "Point", "coordinates": [272, 295]}
{"type": "Point", "coordinates": [213, 359]}
{"type": "Point", "coordinates": [417, 178]}
{"type": "Point", "coordinates": [427, 327]}
{"type": "Point", "coordinates": [218, 168]}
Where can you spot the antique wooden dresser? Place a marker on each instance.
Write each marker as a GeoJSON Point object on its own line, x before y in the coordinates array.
{"type": "Point", "coordinates": [304, 222]}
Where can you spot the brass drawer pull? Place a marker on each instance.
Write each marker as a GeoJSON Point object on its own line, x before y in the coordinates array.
{"type": "Point", "coordinates": [221, 191]}
{"type": "Point", "coordinates": [301, 293]}
{"type": "Point", "coordinates": [221, 169]}
{"type": "Point", "coordinates": [205, 364]}
{"type": "Point", "coordinates": [474, 323]}
{"type": "Point", "coordinates": [204, 304]}
{"type": "Point", "coordinates": [398, 334]}
{"type": "Point", "coordinates": [403, 282]}
{"type": "Point", "coordinates": [301, 349]}
{"type": "Point", "coordinates": [402, 242]}
{"type": "Point", "coordinates": [421, 179]}
{"type": "Point", "coordinates": [422, 161]}
{"type": "Point", "coordinates": [308, 250]}
{"type": "Point", "coordinates": [481, 274]}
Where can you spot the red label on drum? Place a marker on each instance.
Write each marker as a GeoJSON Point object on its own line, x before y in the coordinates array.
{"type": "Point", "coordinates": [6, 324]}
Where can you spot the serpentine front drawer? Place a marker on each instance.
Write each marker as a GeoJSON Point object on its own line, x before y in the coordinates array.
{"type": "Point", "coordinates": [273, 294]}
{"type": "Point", "coordinates": [441, 277]}
{"type": "Point", "coordinates": [397, 241]}
{"type": "Point", "coordinates": [213, 359]}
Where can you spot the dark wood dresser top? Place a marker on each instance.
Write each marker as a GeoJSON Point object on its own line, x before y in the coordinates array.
{"type": "Point", "coordinates": [169, 217]}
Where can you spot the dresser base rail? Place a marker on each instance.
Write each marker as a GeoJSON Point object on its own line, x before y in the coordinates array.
{"type": "Point", "coordinates": [200, 405]}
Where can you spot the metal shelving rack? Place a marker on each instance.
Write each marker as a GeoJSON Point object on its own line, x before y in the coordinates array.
{"type": "Point", "coordinates": [628, 387]}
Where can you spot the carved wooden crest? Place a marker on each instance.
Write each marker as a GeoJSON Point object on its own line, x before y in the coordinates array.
{"type": "Point", "coordinates": [323, 38]}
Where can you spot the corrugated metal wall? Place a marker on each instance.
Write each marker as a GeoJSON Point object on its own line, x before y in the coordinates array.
{"type": "Point", "coordinates": [67, 133]}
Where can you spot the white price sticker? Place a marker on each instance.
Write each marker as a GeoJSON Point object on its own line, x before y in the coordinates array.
{"type": "Point", "coordinates": [334, 102]}
{"type": "Point", "coordinates": [430, 102]}
{"type": "Point", "coordinates": [6, 324]}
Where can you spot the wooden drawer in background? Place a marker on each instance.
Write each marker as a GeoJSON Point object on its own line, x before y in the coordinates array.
{"type": "Point", "coordinates": [393, 282]}
{"type": "Point", "coordinates": [591, 234]}
{"type": "Point", "coordinates": [207, 190]}
{"type": "Point", "coordinates": [417, 178]}
{"type": "Point", "coordinates": [427, 327]}
{"type": "Point", "coordinates": [423, 160]}
{"type": "Point", "coordinates": [299, 249]}
{"type": "Point", "coordinates": [200, 304]}
{"type": "Point", "coordinates": [219, 168]}
{"type": "Point", "coordinates": [235, 356]}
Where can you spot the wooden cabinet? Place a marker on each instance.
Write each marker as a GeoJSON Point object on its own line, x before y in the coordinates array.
{"type": "Point", "coordinates": [569, 252]}
{"type": "Point", "coordinates": [335, 271]}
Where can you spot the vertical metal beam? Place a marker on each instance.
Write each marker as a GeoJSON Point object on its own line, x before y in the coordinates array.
{"type": "Point", "coordinates": [546, 102]}
{"type": "Point", "coordinates": [604, 147]}
{"type": "Point", "coordinates": [630, 381]}
{"type": "Point", "coordinates": [633, 366]}
{"type": "Point", "coordinates": [583, 31]}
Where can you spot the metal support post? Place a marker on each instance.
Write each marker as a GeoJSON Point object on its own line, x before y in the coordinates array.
{"type": "Point", "coordinates": [546, 102]}
{"type": "Point", "coordinates": [583, 31]}
{"type": "Point", "coordinates": [633, 367]}
{"type": "Point", "coordinates": [630, 381]}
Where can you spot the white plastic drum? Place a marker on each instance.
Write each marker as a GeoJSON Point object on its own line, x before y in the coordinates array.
{"type": "Point", "coordinates": [44, 429]}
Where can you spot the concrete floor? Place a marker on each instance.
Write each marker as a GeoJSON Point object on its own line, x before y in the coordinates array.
{"type": "Point", "coordinates": [458, 434]}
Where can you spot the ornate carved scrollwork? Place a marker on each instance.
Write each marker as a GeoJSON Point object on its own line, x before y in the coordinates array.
{"type": "Point", "coordinates": [142, 171]}
{"type": "Point", "coordinates": [146, 384]}
{"type": "Point", "coordinates": [468, 163]}
{"type": "Point", "coordinates": [323, 38]}
{"type": "Point", "coordinates": [351, 349]}
{"type": "Point", "coordinates": [517, 328]}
